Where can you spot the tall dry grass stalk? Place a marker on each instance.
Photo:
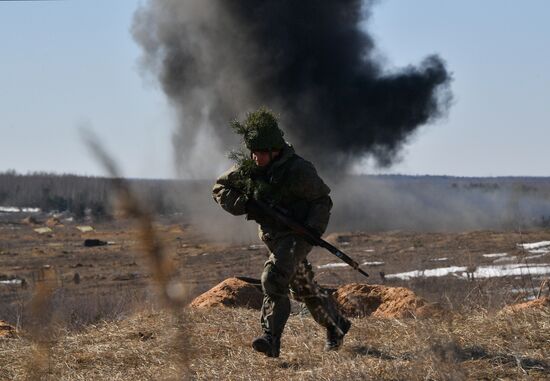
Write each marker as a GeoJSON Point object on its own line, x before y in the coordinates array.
{"type": "Point", "coordinates": [173, 294]}
{"type": "Point", "coordinates": [543, 283]}
{"type": "Point", "coordinates": [41, 331]}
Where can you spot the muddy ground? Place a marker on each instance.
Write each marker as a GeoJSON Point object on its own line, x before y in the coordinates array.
{"type": "Point", "coordinates": [93, 282]}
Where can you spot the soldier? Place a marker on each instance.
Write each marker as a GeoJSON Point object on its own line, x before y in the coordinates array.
{"type": "Point", "coordinates": [273, 172]}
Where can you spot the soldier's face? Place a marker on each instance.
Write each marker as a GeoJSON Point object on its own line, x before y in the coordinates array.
{"type": "Point", "coordinates": [262, 158]}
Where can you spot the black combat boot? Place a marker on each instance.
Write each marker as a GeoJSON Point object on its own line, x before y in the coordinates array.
{"type": "Point", "coordinates": [267, 344]}
{"type": "Point", "coordinates": [335, 336]}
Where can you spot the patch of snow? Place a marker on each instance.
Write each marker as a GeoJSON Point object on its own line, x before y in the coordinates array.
{"type": "Point", "coordinates": [480, 272]}
{"type": "Point", "coordinates": [342, 264]}
{"type": "Point", "coordinates": [442, 271]}
{"type": "Point", "coordinates": [332, 265]}
{"type": "Point", "coordinates": [535, 256]}
{"type": "Point", "coordinates": [505, 259]}
{"type": "Point", "coordinates": [255, 247]}
{"type": "Point", "coordinates": [9, 209]}
{"type": "Point", "coordinates": [510, 270]}
{"type": "Point", "coordinates": [439, 259]}
{"type": "Point", "coordinates": [16, 209]}
{"type": "Point", "coordinates": [373, 263]}
{"type": "Point", "coordinates": [30, 210]}
{"type": "Point", "coordinates": [85, 229]}
{"type": "Point", "coordinates": [369, 250]}
{"type": "Point", "coordinates": [539, 251]}
{"type": "Point", "coordinates": [15, 281]}
{"type": "Point", "coordinates": [43, 230]}
{"type": "Point", "coordinates": [534, 245]}
{"type": "Point", "coordinates": [495, 255]}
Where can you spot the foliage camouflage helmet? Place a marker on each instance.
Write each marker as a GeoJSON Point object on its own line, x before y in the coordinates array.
{"type": "Point", "coordinates": [260, 131]}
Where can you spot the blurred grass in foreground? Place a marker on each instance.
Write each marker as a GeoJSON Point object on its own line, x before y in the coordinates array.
{"type": "Point", "coordinates": [477, 346]}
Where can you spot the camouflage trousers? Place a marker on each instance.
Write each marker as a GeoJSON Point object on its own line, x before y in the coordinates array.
{"type": "Point", "coordinates": [288, 269]}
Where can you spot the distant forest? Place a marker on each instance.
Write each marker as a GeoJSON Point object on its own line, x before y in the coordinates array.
{"type": "Point", "coordinates": [373, 202]}
{"type": "Point", "coordinates": [81, 195]}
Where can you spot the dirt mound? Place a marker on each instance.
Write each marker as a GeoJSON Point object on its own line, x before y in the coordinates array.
{"type": "Point", "coordinates": [53, 221]}
{"type": "Point", "coordinates": [30, 220]}
{"type": "Point", "coordinates": [383, 302]}
{"type": "Point", "coordinates": [6, 330]}
{"type": "Point", "coordinates": [354, 299]}
{"type": "Point", "coordinates": [175, 229]}
{"type": "Point", "coordinates": [539, 303]}
{"type": "Point", "coordinates": [232, 292]}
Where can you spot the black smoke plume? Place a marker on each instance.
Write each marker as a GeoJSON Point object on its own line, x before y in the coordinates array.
{"type": "Point", "coordinates": [310, 61]}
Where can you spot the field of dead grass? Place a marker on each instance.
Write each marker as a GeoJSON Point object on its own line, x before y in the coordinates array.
{"type": "Point", "coordinates": [212, 344]}
{"type": "Point", "coordinates": [215, 345]}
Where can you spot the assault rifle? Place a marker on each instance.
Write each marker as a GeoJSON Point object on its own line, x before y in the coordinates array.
{"type": "Point", "coordinates": [280, 216]}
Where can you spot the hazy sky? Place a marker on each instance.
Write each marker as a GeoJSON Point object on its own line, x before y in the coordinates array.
{"type": "Point", "coordinates": [66, 64]}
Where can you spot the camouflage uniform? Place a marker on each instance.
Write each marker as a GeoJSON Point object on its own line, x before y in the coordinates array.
{"type": "Point", "coordinates": [293, 184]}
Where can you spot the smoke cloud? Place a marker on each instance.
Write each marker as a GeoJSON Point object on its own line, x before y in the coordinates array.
{"type": "Point", "coordinates": [310, 61]}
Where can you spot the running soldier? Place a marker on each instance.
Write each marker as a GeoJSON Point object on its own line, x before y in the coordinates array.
{"type": "Point", "coordinates": [271, 171]}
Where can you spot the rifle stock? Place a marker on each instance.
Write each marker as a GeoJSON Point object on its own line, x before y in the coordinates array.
{"type": "Point", "coordinates": [311, 236]}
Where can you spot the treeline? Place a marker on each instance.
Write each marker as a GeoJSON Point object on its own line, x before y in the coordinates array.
{"type": "Point", "coordinates": [84, 195]}
{"type": "Point", "coordinates": [376, 202]}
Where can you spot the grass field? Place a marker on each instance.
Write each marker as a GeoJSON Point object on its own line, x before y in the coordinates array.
{"type": "Point", "coordinates": [111, 324]}
{"type": "Point", "coordinates": [215, 344]}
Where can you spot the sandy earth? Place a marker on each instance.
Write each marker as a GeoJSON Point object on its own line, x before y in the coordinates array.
{"type": "Point", "coordinates": [118, 268]}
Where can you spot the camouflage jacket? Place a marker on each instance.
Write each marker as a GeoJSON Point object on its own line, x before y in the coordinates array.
{"type": "Point", "coordinates": [289, 182]}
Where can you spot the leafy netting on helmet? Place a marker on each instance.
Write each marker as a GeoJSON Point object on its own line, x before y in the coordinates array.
{"type": "Point", "coordinates": [260, 130]}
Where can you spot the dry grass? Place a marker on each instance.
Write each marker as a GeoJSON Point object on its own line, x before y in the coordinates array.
{"type": "Point", "coordinates": [171, 291]}
{"type": "Point", "coordinates": [179, 343]}
{"type": "Point", "coordinates": [42, 339]}
{"type": "Point", "coordinates": [143, 348]}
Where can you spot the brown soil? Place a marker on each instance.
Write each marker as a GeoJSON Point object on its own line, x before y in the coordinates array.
{"type": "Point", "coordinates": [231, 292]}
{"type": "Point", "coordinates": [113, 275]}
{"type": "Point", "coordinates": [51, 222]}
{"type": "Point", "coordinates": [216, 343]}
{"type": "Point", "coordinates": [6, 330]}
{"type": "Point", "coordinates": [539, 303]}
{"type": "Point", "coordinates": [29, 221]}
{"type": "Point", "coordinates": [383, 302]}
{"type": "Point", "coordinates": [355, 300]}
